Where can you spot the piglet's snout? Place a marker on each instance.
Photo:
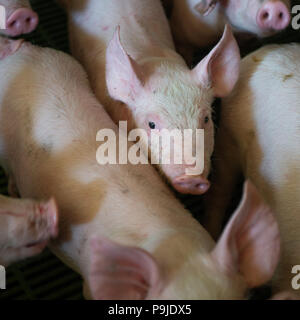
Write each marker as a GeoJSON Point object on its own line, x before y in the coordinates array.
{"type": "Point", "coordinates": [273, 16]}
{"type": "Point", "coordinates": [196, 185]}
{"type": "Point", "coordinates": [21, 21]}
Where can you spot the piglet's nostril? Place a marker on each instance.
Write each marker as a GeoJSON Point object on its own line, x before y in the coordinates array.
{"type": "Point", "coordinates": [265, 16]}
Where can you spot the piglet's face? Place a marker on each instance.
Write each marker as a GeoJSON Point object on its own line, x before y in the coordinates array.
{"type": "Point", "coordinates": [170, 111]}
{"type": "Point", "coordinates": [172, 97]}
{"type": "Point", "coordinates": [262, 18]}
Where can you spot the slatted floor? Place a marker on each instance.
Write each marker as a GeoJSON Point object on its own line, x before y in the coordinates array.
{"type": "Point", "coordinates": [45, 277]}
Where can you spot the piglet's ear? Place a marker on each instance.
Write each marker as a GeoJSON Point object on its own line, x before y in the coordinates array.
{"type": "Point", "coordinates": [205, 7]}
{"type": "Point", "coordinates": [250, 244]}
{"type": "Point", "coordinates": [121, 273]}
{"type": "Point", "coordinates": [124, 77]}
{"type": "Point", "coordinates": [9, 47]}
{"type": "Point", "coordinates": [220, 69]}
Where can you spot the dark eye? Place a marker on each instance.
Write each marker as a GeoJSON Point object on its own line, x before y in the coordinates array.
{"type": "Point", "coordinates": [206, 120]}
{"type": "Point", "coordinates": [151, 125]}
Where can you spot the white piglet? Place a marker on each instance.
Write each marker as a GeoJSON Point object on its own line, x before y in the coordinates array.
{"type": "Point", "coordinates": [259, 138]}
{"type": "Point", "coordinates": [120, 226]}
{"type": "Point", "coordinates": [135, 71]}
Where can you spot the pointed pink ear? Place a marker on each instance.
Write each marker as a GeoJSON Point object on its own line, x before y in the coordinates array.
{"type": "Point", "coordinates": [122, 273]}
{"type": "Point", "coordinates": [250, 244]}
{"type": "Point", "coordinates": [220, 69]}
{"type": "Point", "coordinates": [124, 76]}
{"type": "Point", "coordinates": [9, 47]}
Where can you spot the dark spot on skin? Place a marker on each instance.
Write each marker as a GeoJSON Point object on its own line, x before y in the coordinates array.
{"type": "Point", "coordinates": [287, 76]}
{"type": "Point", "coordinates": [154, 91]}
{"type": "Point", "coordinates": [125, 191]}
{"type": "Point", "coordinates": [255, 59]}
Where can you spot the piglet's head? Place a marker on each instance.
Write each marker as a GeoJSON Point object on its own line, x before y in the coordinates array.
{"type": "Point", "coordinates": [245, 257]}
{"type": "Point", "coordinates": [165, 94]}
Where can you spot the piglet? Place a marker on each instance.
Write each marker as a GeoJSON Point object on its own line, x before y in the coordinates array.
{"type": "Point", "coordinates": [127, 49]}
{"type": "Point", "coordinates": [26, 226]}
{"type": "Point", "coordinates": [259, 139]}
{"type": "Point", "coordinates": [121, 227]}
{"type": "Point", "coordinates": [192, 28]}
{"type": "Point", "coordinates": [20, 18]}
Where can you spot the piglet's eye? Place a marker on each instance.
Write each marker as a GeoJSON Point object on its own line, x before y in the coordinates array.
{"type": "Point", "coordinates": [206, 120]}
{"type": "Point", "coordinates": [152, 125]}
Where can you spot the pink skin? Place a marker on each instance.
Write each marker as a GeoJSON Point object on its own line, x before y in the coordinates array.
{"type": "Point", "coordinates": [27, 226]}
{"type": "Point", "coordinates": [273, 16]}
{"type": "Point", "coordinates": [21, 21]}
